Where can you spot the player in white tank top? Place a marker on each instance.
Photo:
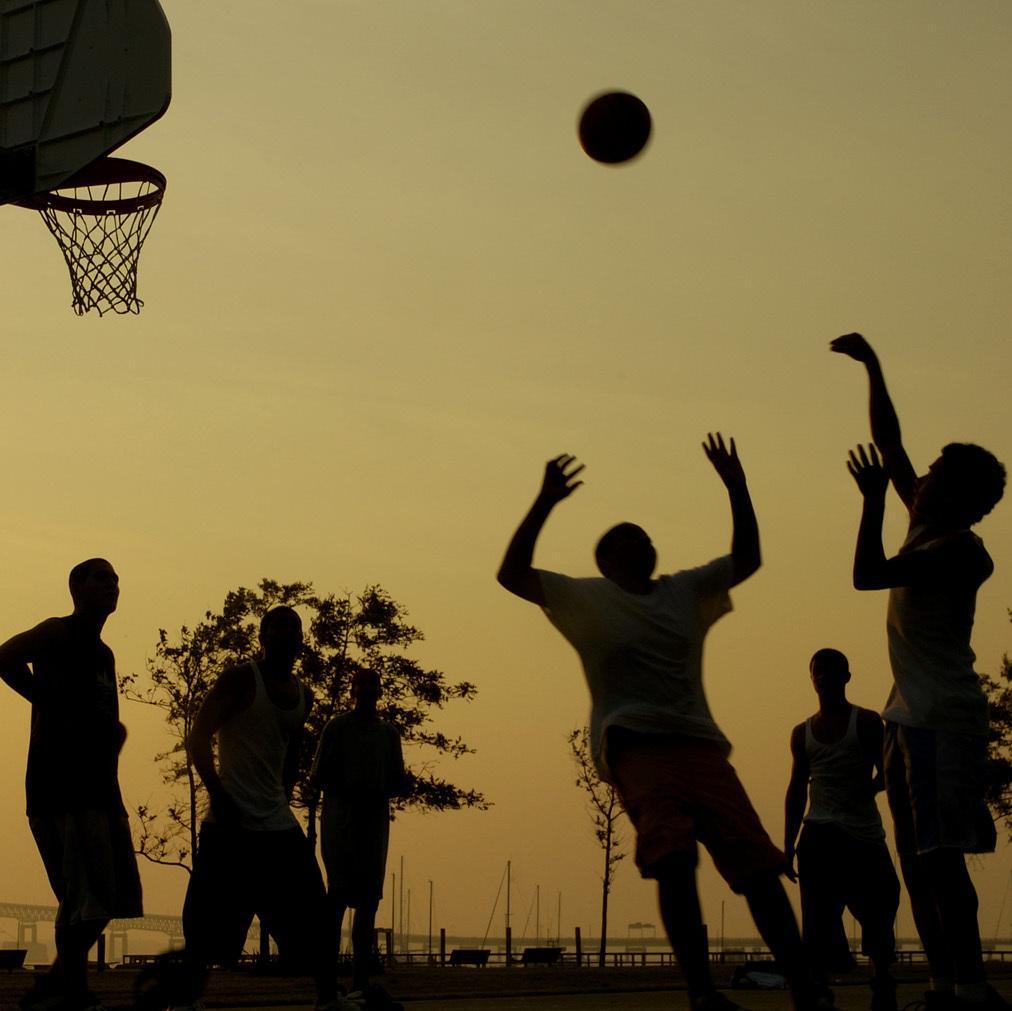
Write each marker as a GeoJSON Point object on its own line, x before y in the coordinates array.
{"type": "Point", "coordinates": [843, 862]}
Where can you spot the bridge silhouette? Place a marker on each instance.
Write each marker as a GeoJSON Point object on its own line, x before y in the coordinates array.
{"type": "Point", "coordinates": [28, 917]}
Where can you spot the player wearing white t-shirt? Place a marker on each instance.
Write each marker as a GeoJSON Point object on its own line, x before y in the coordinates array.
{"type": "Point", "coordinates": [936, 714]}
{"type": "Point", "coordinates": [640, 641]}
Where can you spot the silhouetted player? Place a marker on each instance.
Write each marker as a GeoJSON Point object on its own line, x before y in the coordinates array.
{"type": "Point", "coordinates": [359, 767]}
{"type": "Point", "coordinates": [640, 640]}
{"type": "Point", "coordinates": [936, 714]}
{"type": "Point", "coordinates": [843, 861]}
{"type": "Point", "coordinates": [252, 856]}
{"type": "Point", "coordinates": [74, 806]}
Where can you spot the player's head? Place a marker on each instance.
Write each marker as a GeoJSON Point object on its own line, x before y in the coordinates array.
{"type": "Point", "coordinates": [94, 586]}
{"type": "Point", "coordinates": [830, 672]}
{"type": "Point", "coordinates": [281, 634]}
{"type": "Point", "coordinates": [625, 551]}
{"type": "Point", "coordinates": [366, 689]}
{"type": "Point", "coordinates": [961, 487]}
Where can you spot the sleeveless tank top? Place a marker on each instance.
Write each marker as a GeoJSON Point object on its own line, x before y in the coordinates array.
{"type": "Point", "coordinates": [251, 758]}
{"type": "Point", "coordinates": [838, 792]}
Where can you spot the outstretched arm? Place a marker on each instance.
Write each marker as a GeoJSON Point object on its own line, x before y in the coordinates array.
{"type": "Point", "coordinates": [797, 794]}
{"type": "Point", "coordinates": [885, 424]}
{"type": "Point", "coordinates": [517, 573]}
{"type": "Point", "coordinates": [745, 554]}
{"type": "Point", "coordinates": [870, 560]}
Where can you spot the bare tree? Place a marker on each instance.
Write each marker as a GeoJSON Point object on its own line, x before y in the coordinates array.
{"type": "Point", "coordinates": [605, 809]}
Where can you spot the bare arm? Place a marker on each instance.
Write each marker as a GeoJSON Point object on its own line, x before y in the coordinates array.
{"type": "Point", "coordinates": [293, 752]}
{"type": "Point", "coordinates": [517, 573]}
{"type": "Point", "coordinates": [871, 738]}
{"type": "Point", "coordinates": [945, 559]}
{"type": "Point", "coordinates": [797, 796]}
{"type": "Point", "coordinates": [885, 423]}
{"type": "Point", "coordinates": [746, 556]}
{"type": "Point", "coordinates": [18, 652]}
{"type": "Point", "coordinates": [228, 697]}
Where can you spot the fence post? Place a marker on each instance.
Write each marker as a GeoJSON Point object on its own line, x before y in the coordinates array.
{"type": "Point", "coordinates": [579, 948]}
{"type": "Point", "coordinates": [442, 945]}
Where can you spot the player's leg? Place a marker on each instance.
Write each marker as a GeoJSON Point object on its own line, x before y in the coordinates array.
{"type": "Point", "coordinates": [728, 826]}
{"type": "Point", "coordinates": [682, 917]}
{"type": "Point", "coordinates": [73, 942]}
{"type": "Point", "coordinates": [363, 932]}
{"type": "Point", "coordinates": [873, 897]}
{"type": "Point", "coordinates": [823, 866]}
{"type": "Point", "coordinates": [295, 908]}
{"type": "Point", "coordinates": [217, 908]}
{"type": "Point", "coordinates": [651, 776]}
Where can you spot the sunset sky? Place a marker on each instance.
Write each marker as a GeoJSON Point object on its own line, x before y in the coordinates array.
{"type": "Point", "coordinates": [386, 285]}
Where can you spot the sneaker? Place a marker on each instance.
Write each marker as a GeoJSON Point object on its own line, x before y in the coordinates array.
{"type": "Point", "coordinates": [197, 1005]}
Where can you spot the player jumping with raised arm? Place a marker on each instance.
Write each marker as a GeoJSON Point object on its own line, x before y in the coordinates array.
{"type": "Point", "coordinates": [640, 640]}
{"type": "Point", "coordinates": [936, 715]}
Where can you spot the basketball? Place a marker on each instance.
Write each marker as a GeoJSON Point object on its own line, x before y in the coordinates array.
{"type": "Point", "coordinates": [614, 127]}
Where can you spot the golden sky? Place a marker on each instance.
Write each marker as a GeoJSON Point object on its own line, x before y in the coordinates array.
{"type": "Point", "coordinates": [386, 285]}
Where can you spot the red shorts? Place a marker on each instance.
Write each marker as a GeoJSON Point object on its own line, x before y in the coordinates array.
{"type": "Point", "coordinates": [679, 791]}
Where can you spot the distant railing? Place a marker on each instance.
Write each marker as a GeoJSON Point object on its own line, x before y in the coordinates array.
{"type": "Point", "coordinates": [644, 959]}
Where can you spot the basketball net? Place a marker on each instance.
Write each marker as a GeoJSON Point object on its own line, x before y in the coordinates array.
{"type": "Point", "coordinates": [100, 217]}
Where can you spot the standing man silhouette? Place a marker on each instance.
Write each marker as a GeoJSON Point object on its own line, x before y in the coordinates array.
{"type": "Point", "coordinates": [640, 640]}
{"type": "Point", "coordinates": [252, 856]}
{"type": "Point", "coordinates": [843, 861]}
{"type": "Point", "coordinates": [75, 811]}
{"type": "Point", "coordinates": [936, 715]}
{"type": "Point", "coordinates": [359, 767]}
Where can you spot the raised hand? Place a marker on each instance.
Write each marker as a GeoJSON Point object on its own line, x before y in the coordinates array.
{"type": "Point", "coordinates": [725, 460]}
{"type": "Point", "coordinates": [853, 345]}
{"type": "Point", "coordinates": [867, 471]}
{"type": "Point", "coordinates": [560, 481]}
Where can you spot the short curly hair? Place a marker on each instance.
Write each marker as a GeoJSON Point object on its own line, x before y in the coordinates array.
{"type": "Point", "coordinates": [979, 476]}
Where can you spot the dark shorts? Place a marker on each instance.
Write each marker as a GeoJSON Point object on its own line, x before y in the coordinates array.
{"type": "Point", "coordinates": [935, 786]}
{"type": "Point", "coordinates": [838, 872]}
{"type": "Point", "coordinates": [89, 860]}
{"type": "Point", "coordinates": [273, 875]}
{"type": "Point", "coordinates": [679, 791]}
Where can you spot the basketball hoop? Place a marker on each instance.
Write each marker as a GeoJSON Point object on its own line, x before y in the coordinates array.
{"type": "Point", "coordinates": [101, 217]}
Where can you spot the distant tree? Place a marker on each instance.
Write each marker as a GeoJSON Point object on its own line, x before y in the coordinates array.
{"type": "Point", "coordinates": [605, 809]}
{"type": "Point", "coordinates": [344, 633]}
{"type": "Point", "coordinates": [999, 752]}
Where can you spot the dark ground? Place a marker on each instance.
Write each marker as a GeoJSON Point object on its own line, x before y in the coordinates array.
{"type": "Point", "coordinates": [464, 987]}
